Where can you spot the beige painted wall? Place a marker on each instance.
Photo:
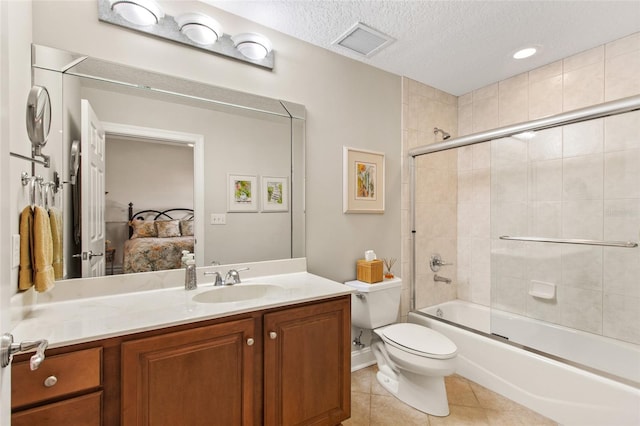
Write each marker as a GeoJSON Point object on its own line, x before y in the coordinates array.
{"type": "Point", "coordinates": [16, 52]}
{"type": "Point", "coordinates": [348, 104]}
{"type": "Point", "coordinates": [9, 65]}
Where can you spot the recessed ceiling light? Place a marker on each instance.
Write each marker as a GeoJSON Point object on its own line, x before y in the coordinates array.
{"type": "Point", "coordinates": [525, 53]}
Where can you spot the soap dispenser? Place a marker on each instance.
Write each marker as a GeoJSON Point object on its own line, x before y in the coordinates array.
{"type": "Point", "coordinates": [190, 277]}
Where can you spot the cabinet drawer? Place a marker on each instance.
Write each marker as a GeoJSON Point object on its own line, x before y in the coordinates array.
{"type": "Point", "coordinates": [84, 410]}
{"type": "Point", "coordinates": [74, 372]}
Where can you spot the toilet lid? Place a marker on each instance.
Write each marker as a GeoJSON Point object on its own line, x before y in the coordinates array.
{"type": "Point", "coordinates": [420, 339]}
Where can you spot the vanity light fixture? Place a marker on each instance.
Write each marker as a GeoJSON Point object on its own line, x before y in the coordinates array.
{"type": "Point", "coordinates": [525, 53]}
{"type": "Point", "coordinates": [200, 28]}
{"type": "Point", "coordinates": [192, 29]}
{"type": "Point", "coordinates": [139, 12]}
{"type": "Point", "coordinates": [252, 45]}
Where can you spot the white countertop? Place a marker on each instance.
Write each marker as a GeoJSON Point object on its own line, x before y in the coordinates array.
{"type": "Point", "coordinates": [85, 319]}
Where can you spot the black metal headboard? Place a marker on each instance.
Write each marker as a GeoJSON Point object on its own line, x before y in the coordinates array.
{"type": "Point", "coordinates": [159, 215]}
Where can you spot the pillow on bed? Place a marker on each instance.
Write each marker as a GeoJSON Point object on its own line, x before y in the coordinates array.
{"type": "Point", "coordinates": [168, 228]}
{"type": "Point", "coordinates": [186, 228]}
{"type": "Point", "coordinates": [143, 229]}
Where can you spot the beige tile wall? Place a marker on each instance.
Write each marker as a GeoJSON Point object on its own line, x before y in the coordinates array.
{"type": "Point", "coordinates": [462, 233]}
{"type": "Point", "coordinates": [598, 197]}
{"type": "Point", "coordinates": [423, 109]}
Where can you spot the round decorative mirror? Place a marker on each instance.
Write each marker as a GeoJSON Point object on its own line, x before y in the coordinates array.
{"type": "Point", "coordinates": [38, 116]}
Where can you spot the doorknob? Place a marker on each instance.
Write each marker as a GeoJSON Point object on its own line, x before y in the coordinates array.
{"type": "Point", "coordinates": [8, 349]}
{"type": "Point", "coordinates": [92, 254]}
{"type": "Point", "coordinates": [87, 255]}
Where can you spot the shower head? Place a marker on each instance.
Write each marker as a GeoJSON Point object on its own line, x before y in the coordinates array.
{"type": "Point", "coordinates": [445, 135]}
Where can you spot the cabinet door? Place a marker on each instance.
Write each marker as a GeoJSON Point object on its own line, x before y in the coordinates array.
{"type": "Point", "coordinates": [307, 371]}
{"type": "Point", "coordinates": [201, 376]}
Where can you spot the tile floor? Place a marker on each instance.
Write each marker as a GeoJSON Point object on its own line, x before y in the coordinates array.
{"type": "Point", "coordinates": [469, 403]}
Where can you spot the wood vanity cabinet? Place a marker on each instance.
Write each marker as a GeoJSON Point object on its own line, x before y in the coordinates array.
{"type": "Point", "coordinates": [202, 376]}
{"type": "Point", "coordinates": [307, 364]}
{"type": "Point", "coordinates": [282, 366]}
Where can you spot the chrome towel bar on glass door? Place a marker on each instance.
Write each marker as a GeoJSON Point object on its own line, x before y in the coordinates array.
{"type": "Point", "coordinates": [625, 244]}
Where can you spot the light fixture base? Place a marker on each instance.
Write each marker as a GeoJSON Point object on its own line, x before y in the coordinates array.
{"type": "Point", "coordinates": [167, 28]}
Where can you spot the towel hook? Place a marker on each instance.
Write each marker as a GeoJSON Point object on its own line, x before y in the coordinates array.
{"type": "Point", "coordinates": [35, 184]}
{"type": "Point", "coordinates": [33, 192]}
{"type": "Point", "coordinates": [25, 178]}
{"type": "Point", "coordinates": [49, 194]}
{"type": "Point", "coordinates": [54, 189]}
{"type": "Point", "coordinates": [45, 199]}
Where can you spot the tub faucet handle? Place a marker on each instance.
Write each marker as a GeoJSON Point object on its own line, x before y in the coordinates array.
{"type": "Point", "coordinates": [436, 262]}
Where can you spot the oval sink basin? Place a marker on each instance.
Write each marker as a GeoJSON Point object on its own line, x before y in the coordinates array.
{"type": "Point", "coordinates": [237, 293]}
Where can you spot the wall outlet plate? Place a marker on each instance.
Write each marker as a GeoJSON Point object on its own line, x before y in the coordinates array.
{"type": "Point", "coordinates": [218, 219]}
{"type": "Point", "coordinates": [15, 251]}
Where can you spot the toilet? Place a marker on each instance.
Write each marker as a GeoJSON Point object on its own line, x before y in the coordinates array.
{"type": "Point", "coordinates": [412, 359]}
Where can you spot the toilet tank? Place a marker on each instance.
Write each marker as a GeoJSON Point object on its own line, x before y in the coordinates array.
{"type": "Point", "coordinates": [375, 305]}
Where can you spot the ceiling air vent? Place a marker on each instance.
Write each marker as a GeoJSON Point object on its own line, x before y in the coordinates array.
{"type": "Point", "coordinates": [363, 40]}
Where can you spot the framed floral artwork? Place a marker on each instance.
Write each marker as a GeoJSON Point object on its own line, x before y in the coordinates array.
{"type": "Point", "coordinates": [363, 181]}
{"type": "Point", "coordinates": [275, 194]}
{"type": "Point", "coordinates": [242, 193]}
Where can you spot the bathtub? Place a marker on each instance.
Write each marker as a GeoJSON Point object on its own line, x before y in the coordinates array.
{"type": "Point", "coordinates": [559, 390]}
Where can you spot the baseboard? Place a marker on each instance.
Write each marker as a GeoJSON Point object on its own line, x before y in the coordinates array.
{"type": "Point", "coordinates": [362, 358]}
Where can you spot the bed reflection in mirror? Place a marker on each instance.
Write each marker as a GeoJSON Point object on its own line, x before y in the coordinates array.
{"type": "Point", "coordinates": [157, 240]}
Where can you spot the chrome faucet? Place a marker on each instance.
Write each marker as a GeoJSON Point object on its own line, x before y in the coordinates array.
{"type": "Point", "coordinates": [218, 281]}
{"type": "Point", "coordinates": [190, 276]}
{"type": "Point", "coordinates": [437, 277]}
{"type": "Point", "coordinates": [232, 277]}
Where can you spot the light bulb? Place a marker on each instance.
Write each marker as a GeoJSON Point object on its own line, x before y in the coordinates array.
{"type": "Point", "coordinates": [253, 46]}
{"type": "Point", "coordinates": [139, 12]}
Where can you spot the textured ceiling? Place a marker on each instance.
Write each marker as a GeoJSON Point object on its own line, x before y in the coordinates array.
{"type": "Point", "coordinates": [455, 46]}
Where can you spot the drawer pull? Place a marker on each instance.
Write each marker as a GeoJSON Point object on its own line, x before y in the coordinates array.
{"type": "Point", "coordinates": [273, 335]}
{"type": "Point", "coordinates": [250, 341]}
{"type": "Point", "coordinates": [50, 381]}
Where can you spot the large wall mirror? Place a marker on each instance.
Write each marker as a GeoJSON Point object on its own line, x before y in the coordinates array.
{"type": "Point", "coordinates": [215, 172]}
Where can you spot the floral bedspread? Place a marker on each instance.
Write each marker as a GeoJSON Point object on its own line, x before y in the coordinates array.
{"type": "Point", "coordinates": [154, 254]}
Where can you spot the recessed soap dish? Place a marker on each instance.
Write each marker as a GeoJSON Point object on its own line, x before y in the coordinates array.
{"type": "Point", "coordinates": [542, 290]}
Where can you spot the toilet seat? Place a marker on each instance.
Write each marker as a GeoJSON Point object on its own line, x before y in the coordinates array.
{"type": "Point", "coordinates": [418, 340]}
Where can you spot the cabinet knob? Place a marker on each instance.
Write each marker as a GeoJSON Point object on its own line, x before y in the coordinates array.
{"type": "Point", "coordinates": [50, 381]}
{"type": "Point", "coordinates": [250, 341]}
{"type": "Point", "coordinates": [273, 335]}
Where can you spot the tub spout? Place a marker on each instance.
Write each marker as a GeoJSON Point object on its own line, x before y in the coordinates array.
{"type": "Point", "coordinates": [437, 278]}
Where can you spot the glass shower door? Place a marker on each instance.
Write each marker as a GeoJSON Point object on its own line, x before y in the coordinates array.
{"type": "Point", "coordinates": [548, 189]}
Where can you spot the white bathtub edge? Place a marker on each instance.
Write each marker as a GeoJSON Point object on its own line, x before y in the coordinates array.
{"type": "Point", "coordinates": [558, 391]}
